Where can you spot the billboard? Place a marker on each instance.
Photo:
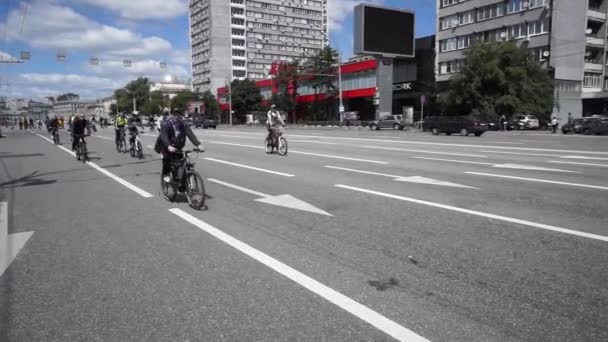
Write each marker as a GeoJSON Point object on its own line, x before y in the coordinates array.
{"type": "Point", "coordinates": [384, 31]}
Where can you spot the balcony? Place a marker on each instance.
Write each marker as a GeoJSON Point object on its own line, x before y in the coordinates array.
{"type": "Point", "coordinates": [594, 66]}
{"type": "Point", "coordinates": [591, 40]}
{"type": "Point", "coordinates": [596, 15]}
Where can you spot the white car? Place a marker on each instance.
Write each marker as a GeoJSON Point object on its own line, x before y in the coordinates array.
{"type": "Point", "coordinates": [527, 122]}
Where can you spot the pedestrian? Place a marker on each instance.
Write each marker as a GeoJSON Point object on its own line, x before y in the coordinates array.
{"type": "Point", "coordinates": [554, 125]}
{"type": "Point", "coordinates": [570, 123]}
{"type": "Point", "coordinates": [503, 122]}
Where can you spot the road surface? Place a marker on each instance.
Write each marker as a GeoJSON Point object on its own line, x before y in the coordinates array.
{"type": "Point", "coordinates": [354, 236]}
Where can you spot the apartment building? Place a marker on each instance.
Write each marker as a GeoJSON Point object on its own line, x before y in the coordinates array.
{"type": "Point", "coordinates": [238, 39]}
{"type": "Point", "coordinates": [568, 36]}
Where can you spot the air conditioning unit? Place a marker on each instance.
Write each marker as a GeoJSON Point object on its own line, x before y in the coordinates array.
{"type": "Point", "coordinates": [525, 4]}
{"type": "Point", "coordinates": [546, 54]}
{"type": "Point", "coordinates": [527, 38]}
{"type": "Point", "coordinates": [455, 22]}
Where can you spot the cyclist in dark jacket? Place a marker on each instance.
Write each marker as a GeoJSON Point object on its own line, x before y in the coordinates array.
{"type": "Point", "coordinates": [172, 139]}
{"type": "Point", "coordinates": [79, 126]}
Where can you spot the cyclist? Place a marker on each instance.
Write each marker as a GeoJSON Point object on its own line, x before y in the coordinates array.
{"type": "Point", "coordinates": [53, 125]}
{"type": "Point", "coordinates": [172, 140]}
{"type": "Point", "coordinates": [79, 125]}
{"type": "Point", "coordinates": [273, 117]}
{"type": "Point", "coordinates": [119, 126]}
{"type": "Point", "coordinates": [133, 122]}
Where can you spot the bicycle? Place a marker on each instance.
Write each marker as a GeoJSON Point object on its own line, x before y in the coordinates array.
{"type": "Point", "coordinates": [280, 143]}
{"type": "Point", "coordinates": [81, 149]}
{"type": "Point", "coordinates": [184, 180]}
{"type": "Point", "coordinates": [56, 139]}
{"type": "Point", "coordinates": [137, 149]}
{"type": "Point", "coordinates": [121, 143]}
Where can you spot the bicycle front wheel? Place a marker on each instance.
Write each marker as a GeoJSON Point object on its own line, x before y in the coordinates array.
{"type": "Point", "coordinates": [282, 146]}
{"type": "Point", "coordinates": [268, 145]}
{"type": "Point", "coordinates": [196, 190]}
{"type": "Point", "coordinates": [140, 150]}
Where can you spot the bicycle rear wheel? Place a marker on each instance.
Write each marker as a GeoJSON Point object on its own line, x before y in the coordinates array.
{"type": "Point", "coordinates": [268, 145]}
{"type": "Point", "coordinates": [195, 191]}
{"type": "Point", "coordinates": [140, 150]}
{"type": "Point", "coordinates": [168, 190]}
{"type": "Point", "coordinates": [282, 146]}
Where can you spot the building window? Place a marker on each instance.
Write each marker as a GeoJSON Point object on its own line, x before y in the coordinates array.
{"type": "Point", "coordinates": [449, 21]}
{"type": "Point", "coordinates": [517, 31]}
{"type": "Point", "coordinates": [490, 12]}
{"type": "Point", "coordinates": [445, 3]}
{"type": "Point", "coordinates": [464, 42]}
{"type": "Point", "coordinates": [537, 3]}
{"type": "Point", "coordinates": [450, 67]}
{"type": "Point", "coordinates": [466, 17]}
{"type": "Point", "coordinates": [448, 44]}
{"type": "Point", "coordinates": [592, 80]}
{"type": "Point", "coordinates": [538, 27]}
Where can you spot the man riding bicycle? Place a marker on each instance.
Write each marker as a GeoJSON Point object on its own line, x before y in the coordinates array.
{"type": "Point", "coordinates": [53, 125]}
{"type": "Point", "coordinates": [133, 122]}
{"type": "Point", "coordinates": [172, 140]}
{"type": "Point", "coordinates": [119, 126]}
{"type": "Point", "coordinates": [273, 118]}
{"type": "Point", "coordinates": [79, 125]}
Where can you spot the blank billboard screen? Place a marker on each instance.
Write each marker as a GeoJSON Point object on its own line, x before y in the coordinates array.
{"type": "Point", "coordinates": [387, 31]}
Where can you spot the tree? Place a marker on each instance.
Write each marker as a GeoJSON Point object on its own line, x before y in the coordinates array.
{"type": "Point", "coordinates": [245, 97]}
{"type": "Point", "coordinates": [211, 105]}
{"type": "Point", "coordinates": [500, 79]}
{"type": "Point", "coordinates": [68, 96]}
{"type": "Point", "coordinates": [179, 103]}
{"type": "Point", "coordinates": [138, 89]}
{"type": "Point", "coordinates": [322, 69]}
{"type": "Point", "coordinates": [287, 81]}
{"type": "Point", "coordinates": [113, 109]}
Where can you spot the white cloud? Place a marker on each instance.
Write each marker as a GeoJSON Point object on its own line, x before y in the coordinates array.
{"type": "Point", "coordinates": [338, 10]}
{"type": "Point", "coordinates": [142, 9]}
{"type": "Point", "coordinates": [52, 26]}
{"type": "Point", "coordinates": [5, 56]}
{"type": "Point", "coordinates": [40, 85]}
{"type": "Point", "coordinates": [146, 68]}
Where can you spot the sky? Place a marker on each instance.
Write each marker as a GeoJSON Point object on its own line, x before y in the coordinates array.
{"type": "Point", "coordinates": [147, 32]}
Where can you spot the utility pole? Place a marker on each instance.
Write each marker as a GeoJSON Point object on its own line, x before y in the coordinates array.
{"type": "Point", "coordinates": [230, 103]}
{"type": "Point", "coordinates": [341, 108]}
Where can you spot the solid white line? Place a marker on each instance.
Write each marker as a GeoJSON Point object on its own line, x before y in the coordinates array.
{"type": "Point", "coordinates": [410, 142]}
{"type": "Point", "coordinates": [355, 308]}
{"type": "Point", "coordinates": [582, 158]}
{"type": "Point", "coordinates": [453, 160]}
{"type": "Point", "coordinates": [421, 151]}
{"type": "Point", "coordinates": [314, 142]}
{"type": "Point", "coordinates": [361, 171]}
{"type": "Point", "coordinates": [479, 213]}
{"type": "Point", "coordinates": [102, 137]}
{"type": "Point", "coordinates": [308, 153]}
{"type": "Point", "coordinates": [237, 187]}
{"type": "Point", "coordinates": [250, 167]}
{"type": "Point", "coordinates": [576, 163]}
{"type": "Point", "coordinates": [539, 180]}
{"type": "Point", "coordinates": [520, 153]}
{"type": "Point", "coordinates": [149, 146]}
{"type": "Point", "coordinates": [128, 185]}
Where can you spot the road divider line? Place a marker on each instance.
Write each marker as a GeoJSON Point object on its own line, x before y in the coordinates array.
{"type": "Point", "coordinates": [479, 213]}
{"type": "Point", "coordinates": [237, 187]}
{"type": "Point", "coordinates": [362, 171]}
{"type": "Point", "coordinates": [576, 163]}
{"type": "Point", "coordinates": [308, 153]}
{"type": "Point", "coordinates": [351, 306]}
{"type": "Point", "coordinates": [102, 137]}
{"type": "Point", "coordinates": [454, 161]}
{"type": "Point", "coordinates": [520, 153]}
{"type": "Point", "coordinates": [314, 142]}
{"type": "Point", "coordinates": [114, 177]}
{"type": "Point", "coordinates": [583, 158]}
{"type": "Point", "coordinates": [422, 151]}
{"type": "Point", "coordinates": [538, 180]}
{"type": "Point", "coordinates": [249, 167]}
{"type": "Point", "coordinates": [501, 166]}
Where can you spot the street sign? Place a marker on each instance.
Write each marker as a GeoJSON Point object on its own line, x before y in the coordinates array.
{"type": "Point", "coordinates": [341, 109]}
{"type": "Point", "coordinates": [423, 100]}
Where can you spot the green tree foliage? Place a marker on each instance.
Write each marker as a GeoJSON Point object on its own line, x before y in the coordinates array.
{"type": "Point", "coordinates": [138, 89]}
{"type": "Point", "coordinates": [287, 81]}
{"type": "Point", "coordinates": [322, 76]}
{"type": "Point", "coordinates": [68, 96]}
{"type": "Point", "coordinates": [211, 105]}
{"type": "Point", "coordinates": [179, 103]}
{"type": "Point", "coordinates": [499, 78]}
{"type": "Point", "coordinates": [245, 97]}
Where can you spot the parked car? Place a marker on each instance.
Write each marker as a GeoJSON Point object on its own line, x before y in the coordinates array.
{"type": "Point", "coordinates": [388, 121]}
{"type": "Point", "coordinates": [455, 124]}
{"type": "Point", "coordinates": [593, 125]}
{"type": "Point", "coordinates": [207, 121]}
{"type": "Point", "coordinates": [574, 127]}
{"type": "Point", "coordinates": [524, 122]}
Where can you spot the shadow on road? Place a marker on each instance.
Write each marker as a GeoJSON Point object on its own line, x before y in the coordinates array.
{"type": "Point", "coordinates": [6, 155]}
{"type": "Point", "coordinates": [28, 180]}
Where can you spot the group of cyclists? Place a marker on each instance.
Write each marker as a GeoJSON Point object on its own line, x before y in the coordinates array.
{"type": "Point", "coordinates": [173, 132]}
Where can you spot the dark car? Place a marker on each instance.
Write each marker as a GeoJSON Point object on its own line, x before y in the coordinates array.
{"type": "Point", "coordinates": [593, 125]}
{"type": "Point", "coordinates": [574, 126]}
{"type": "Point", "coordinates": [388, 121]}
{"type": "Point", "coordinates": [208, 121]}
{"type": "Point", "coordinates": [455, 124]}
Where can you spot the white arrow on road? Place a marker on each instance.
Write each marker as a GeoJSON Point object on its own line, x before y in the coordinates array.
{"type": "Point", "coordinates": [501, 166]}
{"type": "Point", "coordinates": [411, 179]}
{"type": "Point", "coordinates": [286, 201]}
{"type": "Point", "coordinates": [10, 245]}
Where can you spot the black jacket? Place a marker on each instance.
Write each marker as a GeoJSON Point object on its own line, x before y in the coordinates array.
{"type": "Point", "coordinates": [173, 133]}
{"type": "Point", "coordinates": [79, 126]}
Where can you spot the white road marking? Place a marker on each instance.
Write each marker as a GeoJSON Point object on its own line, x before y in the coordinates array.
{"type": "Point", "coordinates": [479, 213]}
{"type": "Point", "coordinates": [308, 153]}
{"type": "Point", "coordinates": [501, 166]}
{"type": "Point", "coordinates": [314, 142]}
{"type": "Point", "coordinates": [539, 180]}
{"type": "Point", "coordinates": [412, 142]}
{"type": "Point", "coordinates": [583, 158]}
{"type": "Point", "coordinates": [128, 185]}
{"type": "Point", "coordinates": [411, 179]}
{"type": "Point", "coordinates": [102, 137]}
{"type": "Point", "coordinates": [249, 167]}
{"type": "Point", "coordinates": [238, 187]}
{"type": "Point", "coordinates": [351, 306]}
{"type": "Point", "coordinates": [422, 151]}
{"type": "Point", "coordinates": [576, 163]}
{"type": "Point", "coordinates": [520, 153]}
{"type": "Point", "coordinates": [10, 245]}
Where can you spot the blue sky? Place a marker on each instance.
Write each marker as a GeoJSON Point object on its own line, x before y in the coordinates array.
{"type": "Point", "coordinates": [145, 31]}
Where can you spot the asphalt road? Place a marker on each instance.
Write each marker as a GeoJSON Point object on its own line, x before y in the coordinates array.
{"type": "Point", "coordinates": [354, 236]}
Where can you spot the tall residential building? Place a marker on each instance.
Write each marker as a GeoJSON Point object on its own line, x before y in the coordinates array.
{"type": "Point", "coordinates": [566, 35]}
{"type": "Point", "coordinates": [237, 39]}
